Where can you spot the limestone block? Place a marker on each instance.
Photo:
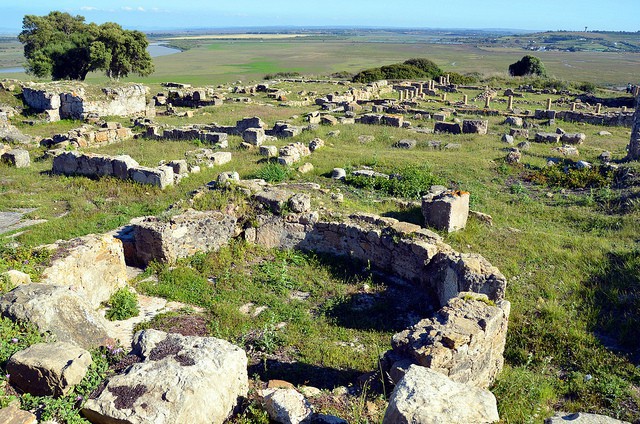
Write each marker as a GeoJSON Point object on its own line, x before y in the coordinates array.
{"type": "Point", "coordinates": [122, 165]}
{"type": "Point", "coordinates": [179, 166]}
{"type": "Point", "coordinates": [254, 136]}
{"type": "Point", "coordinates": [405, 143]}
{"type": "Point", "coordinates": [183, 235]}
{"type": "Point", "coordinates": [328, 120]}
{"type": "Point", "coordinates": [447, 128]}
{"type": "Point", "coordinates": [13, 415]}
{"type": "Point", "coordinates": [58, 310]}
{"type": "Point", "coordinates": [475, 126]}
{"type": "Point", "coordinates": [92, 265]}
{"type": "Point", "coordinates": [316, 144]}
{"type": "Point", "coordinates": [519, 132]}
{"type": "Point", "coordinates": [446, 211]}
{"type": "Point", "coordinates": [49, 369]}
{"type": "Point", "coordinates": [300, 202]}
{"type": "Point", "coordinates": [514, 121]}
{"type": "Point", "coordinates": [286, 406]}
{"type": "Point", "coordinates": [427, 397]}
{"type": "Point", "coordinates": [269, 151]}
{"type": "Point", "coordinates": [18, 158]}
{"type": "Point", "coordinates": [338, 174]}
{"type": "Point", "coordinates": [160, 177]}
{"type": "Point", "coordinates": [196, 380]}
{"type": "Point", "coordinates": [573, 138]}
{"type": "Point", "coordinates": [15, 277]}
{"type": "Point", "coordinates": [221, 158]}
{"type": "Point", "coordinates": [506, 138]}
{"type": "Point", "coordinates": [582, 418]}
{"type": "Point", "coordinates": [393, 120]}
{"type": "Point", "coordinates": [547, 138]}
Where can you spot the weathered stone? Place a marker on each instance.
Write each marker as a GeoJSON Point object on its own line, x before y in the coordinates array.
{"type": "Point", "coordinates": [514, 121]}
{"type": "Point", "coordinates": [220, 158]}
{"type": "Point", "coordinates": [18, 158]}
{"type": "Point", "coordinates": [121, 166]}
{"type": "Point", "coordinates": [605, 156]}
{"type": "Point", "coordinates": [506, 138]}
{"type": "Point", "coordinates": [225, 177]}
{"type": "Point", "coordinates": [519, 132]}
{"type": "Point", "coordinates": [269, 151]}
{"type": "Point", "coordinates": [15, 278]}
{"type": "Point", "coordinates": [161, 177]}
{"type": "Point", "coordinates": [369, 174]}
{"type": "Point", "coordinates": [365, 139]}
{"type": "Point", "coordinates": [292, 153]}
{"type": "Point", "coordinates": [545, 114]}
{"type": "Point", "coordinates": [582, 418]}
{"type": "Point", "coordinates": [464, 341]}
{"type": "Point", "coordinates": [299, 203]}
{"type": "Point", "coordinates": [49, 369]}
{"type": "Point", "coordinates": [305, 168]}
{"type": "Point", "coordinates": [567, 150]}
{"type": "Point", "coordinates": [13, 415]}
{"type": "Point", "coordinates": [577, 138]}
{"type": "Point", "coordinates": [582, 164]}
{"type": "Point", "coordinates": [328, 120]}
{"type": "Point", "coordinates": [393, 120]}
{"type": "Point", "coordinates": [446, 211]}
{"type": "Point", "coordinates": [338, 174]}
{"type": "Point", "coordinates": [58, 310]}
{"type": "Point", "coordinates": [315, 144]}
{"type": "Point", "coordinates": [274, 199]}
{"type": "Point", "coordinates": [447, 128]}
{"type": "Point", "coordinates": [179, 166]}
{"type": "Point", "coordinates": [92, 265]}
{"type": "Point", "coordinates": [524, 145]}
{"type": "Point", "coordinates": [427, 397]}
{"type": "Point", "coordinates": [547, 138]}
{"type": "Point", "coordinates": [254, 136]}
{"type": "Point", "coordinates": [475, 126]}
{"type": "Point", "coordinates": [405, 143]}
{"type": "Point", "coordinates": [286, 406]}
{"type": "Point", "coordinates": [513, 156]}
{"type": "Point", "coordinates": [182, 235]}
{"type": "Point", "coordinates": [196, 380]}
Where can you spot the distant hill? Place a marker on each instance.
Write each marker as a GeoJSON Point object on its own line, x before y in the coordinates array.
{"type": "Point", "coordinates": [574, 41]}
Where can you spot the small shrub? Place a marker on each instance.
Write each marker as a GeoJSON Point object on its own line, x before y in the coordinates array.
{"type": "Point", "coordinates": [411, 182]}
{"type": "Point", "coordinates": [274, 173]}
{"type": "Point", "coordinates": [555, 176]}
{"type": "Point", "coordinates": [123, 305]}
{"type": "Point", "coordinates": [287, 74]}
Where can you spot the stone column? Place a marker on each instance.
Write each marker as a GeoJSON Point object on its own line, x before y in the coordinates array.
{"type": "Point", "coordinates": [598, 108]}
{"type": "Point", "coordinates": [624, 109]}
{"type": "Point", "coordinates": [401, 95]}
{"type": "Point", "coordinates": [634, 143]}
{"type": "Point", "coordinates": [465, 99]}
{"type": "Point", "coordinates": [448, 79]}
{"type": "Point", "coordinates": [573, 107]}
{"type": "Point", "coordinates": [510, 103]}
{"type": "Point", "coordinates": [444, 97]}
{"type": "Point", "coordinates": [487, 103]}
{"type": "Point", "coordinates": [548, 104]}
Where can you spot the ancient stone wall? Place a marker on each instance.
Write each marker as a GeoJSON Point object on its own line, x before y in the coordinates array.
{"type": "Point", "coordinates": [75, 102]}
{"type": "Point", "coordinates": [620, 119]}
{"type": "Point", "coordinates": [88, 135]}
{"type": "Point", "coordinates": [634, 142]}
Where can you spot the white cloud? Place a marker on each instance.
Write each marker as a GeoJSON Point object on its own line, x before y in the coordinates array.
{"type": "Point", "coordinates": [88, 8]}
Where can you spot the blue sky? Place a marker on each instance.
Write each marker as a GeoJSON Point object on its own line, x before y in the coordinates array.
{"type": "Point", "coordinates": [616, 15]}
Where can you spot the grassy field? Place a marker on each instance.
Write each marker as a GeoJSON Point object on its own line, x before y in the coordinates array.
{"type": "Point", "coordinates": [570, 253]}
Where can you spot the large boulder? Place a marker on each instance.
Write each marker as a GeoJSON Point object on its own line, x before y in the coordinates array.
{"type": "Point", "coordinates": [424, 396]}
{"type": "Point", "coordinates": [93, 265]}
{"type": "Point", "coordinates": [49, 369]}
{"type": "Point", "coordinates": [57, 310]}
{"type": "Point", "coordinates": [195, 380]}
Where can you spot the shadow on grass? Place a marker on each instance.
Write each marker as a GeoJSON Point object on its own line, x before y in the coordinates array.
{"type": "Point", "coordinates": [616, 298]}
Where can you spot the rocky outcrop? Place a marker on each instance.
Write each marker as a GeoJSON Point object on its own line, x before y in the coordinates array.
{"type": "Point", "coordinates": [92, 265]}
{"type": "Point", "coordinates": [182, 235]}
{"type": "Point", "coordinates": [424, 396]}
{"type": "Point", "coordinates": [196, 380]}
{"type": "Point", "coordinates": [56, 310]}
{"type": "Point", "coordinates": [48, 369]}
{"type": "Point", "coordinates": [13, 415]}
{"type": "Point", "coordinates": [465, 340]}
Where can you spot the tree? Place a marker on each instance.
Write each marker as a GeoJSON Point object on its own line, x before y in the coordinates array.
{"type": "Point", "coordinates": [64, 47]}
{"type": "Point", "coordinates": [528, 65]}
{"type": "Point", "coordinates": [427, 66]}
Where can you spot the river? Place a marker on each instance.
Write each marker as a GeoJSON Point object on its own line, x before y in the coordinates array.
{"type": "Point", "coordinates": [155, 50]}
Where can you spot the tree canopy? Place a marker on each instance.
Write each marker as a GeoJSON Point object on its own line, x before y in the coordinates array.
{"type": "Point", "coordinates": [410, 69]}
{"type": "Point", "coordinates": [65, 47]}
{"type": "Point", "coordinates": [528, 65]}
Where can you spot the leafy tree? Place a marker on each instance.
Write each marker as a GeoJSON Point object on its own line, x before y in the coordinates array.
{"type": "Point", "coordinates": [427, 66]}
{"type": "Point", "coordinates": [65, 47]}
{"type": "Point", "coordinates": [528, 65]}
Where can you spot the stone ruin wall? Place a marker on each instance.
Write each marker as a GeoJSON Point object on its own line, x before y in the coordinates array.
{"type": "Point", "coordinates": [634, 142]}
{"type": "Point", "coordinates": [62, 102]}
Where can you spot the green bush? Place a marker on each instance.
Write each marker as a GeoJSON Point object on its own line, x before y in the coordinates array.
{"type": "Point", "coordinates": [282, 75]}
{"type": "Point", "coordinates": [456, 78]}
{"type": "Point", "coordinates": [274, 173]}
{"type": "Point", "coordinates": [428, 67]}
{"type": "Point", "coordinates": [556, 176]}
{"type": "Point", "coordinates": [123, 304]}
{"type": "Point", "coordinates": [417, 68]}
{"type": "Point", "coordinates": [411, 182]}
{"type": "Point", "coordinates": [528, 65]}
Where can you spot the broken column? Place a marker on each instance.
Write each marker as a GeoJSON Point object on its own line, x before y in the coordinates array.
{"type": "Point", "coordinates": [548, 104]}
{"type": "Point", "coordinates": [510, 103]}
{"type": "Point", "coordinates": [487, 102]}
{"type": "Point", "coordinates": [465, 99]}
{"type": "Point", "coordinates": [598, 108]}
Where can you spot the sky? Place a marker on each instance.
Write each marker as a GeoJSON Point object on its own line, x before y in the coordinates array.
{"type": "Point", "coordinates": [145, 15]}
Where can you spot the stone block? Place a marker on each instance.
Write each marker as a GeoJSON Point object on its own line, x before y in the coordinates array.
{"type": "Point", "coordinates": [328, 120]}
{"type": "Point", "coordinates": [447, 128]}
{"type": "Point", "coordinates": [519, 132]}
{"type": "Point", "coordinates": [161, 177]}
{"type": "Point", "coordinates": [13, 415]}
{"type": "Point", "coordinates": [547, 138]}
{"type": "Point", "coordinates": [122, 165]}
{"type": "Point", "coordinates": [393, 120]}
{"type": "Point", "coordinates": [446, 211]}
{"type": "Point", "coordinates": [220, 158]}
{"type": "Point", "coordinates": [575, 138]}
{"type": "Point", "coordinates": [179, 166]}
{"type": "Point", "coordinates": [405, 143]}
{"type": "Point", "coordinates": [254, 136]}
{"type": "Point", "coordinates": [269, 151]}
{"type": "Point", "coordinates": [18, 158]}
{"type": "Point", "coordinates": [49, 369]}
{"type": "Point", "coordinates": [475, 126]}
